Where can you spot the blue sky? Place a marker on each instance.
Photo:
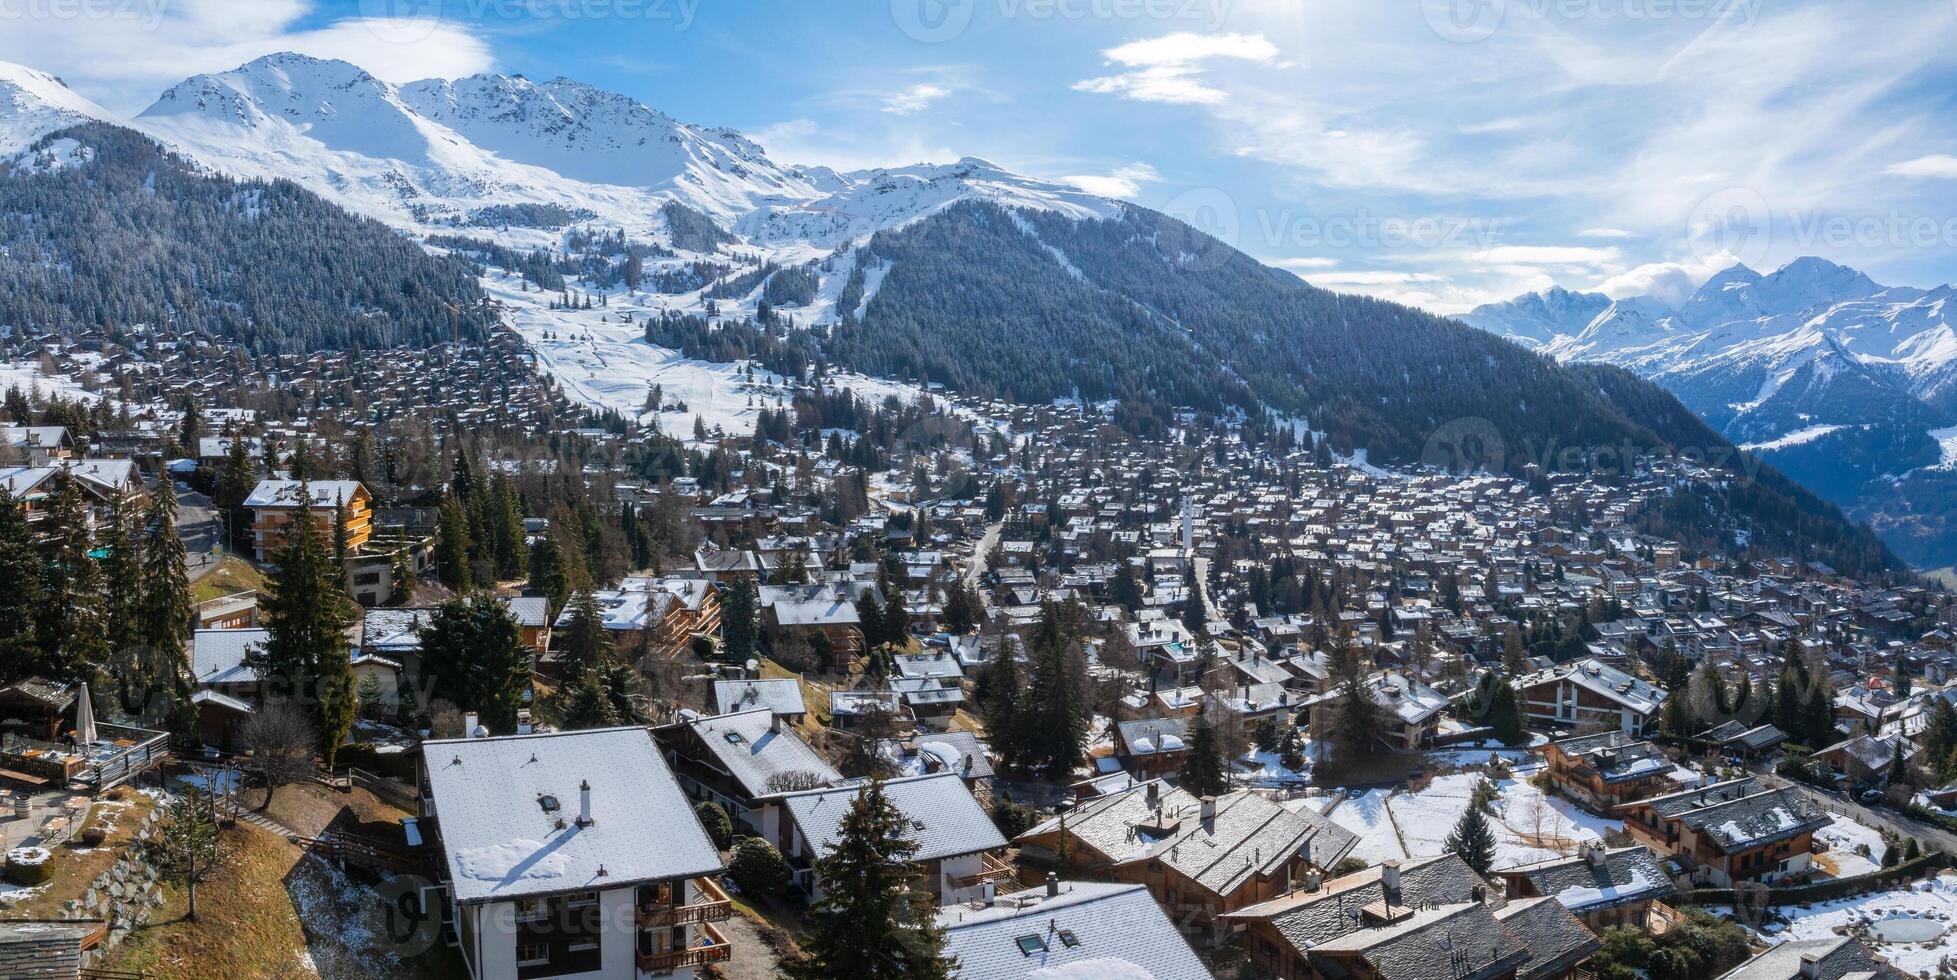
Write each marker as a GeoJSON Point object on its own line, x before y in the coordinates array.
{"type": "Point", "coordinates": [1442, 152]}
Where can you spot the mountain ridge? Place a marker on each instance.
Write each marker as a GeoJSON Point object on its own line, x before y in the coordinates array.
{"type": "Point", "coordinates": [904, 272]}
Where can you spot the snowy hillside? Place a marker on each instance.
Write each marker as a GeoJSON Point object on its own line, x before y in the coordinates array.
{"type": "Point", "coordinates": [33, 104]}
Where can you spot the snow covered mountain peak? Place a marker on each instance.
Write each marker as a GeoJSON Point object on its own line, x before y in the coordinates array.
{"type": "Point", "coordinates": [35, 103]}
{"type": "Point", "coordinates": [529, 158]}
{"type": "Point", "coordinates": [589, 134]}
{"type": "Point", "coordinates": [1539, 318]}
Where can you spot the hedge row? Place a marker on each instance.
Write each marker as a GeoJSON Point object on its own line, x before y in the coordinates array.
{"type": "Point", "coordinates": [1827, 891]}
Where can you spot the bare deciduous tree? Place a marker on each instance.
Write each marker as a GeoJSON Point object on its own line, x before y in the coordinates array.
{"type": "Point", "coordinates": [280, 738]}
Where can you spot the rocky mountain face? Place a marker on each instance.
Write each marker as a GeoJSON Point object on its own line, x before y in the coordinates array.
{"type": "Point", "coordinates": [1848, 384]}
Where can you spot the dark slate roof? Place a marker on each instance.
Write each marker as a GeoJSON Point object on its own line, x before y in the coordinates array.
{"type": "Point", "coordinates": [1555, 939]}
{"type": "Point", "coordinates": [1835, 958]}
{"type": "Point", "coordinates": [1752, 821]}
{"type": "Point", "coordinates": [1583, 744]}
{"type": "Point", "coordinates": [1673, 804]}
{"type": "Point", "coordinates": [1625, 875]}
{"type": "Point", "coordinates": [1461, 941]}
{"type": "Point", "coordinates": [1308, 919]}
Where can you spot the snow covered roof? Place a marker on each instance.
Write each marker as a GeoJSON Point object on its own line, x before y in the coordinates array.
{"type": "Point", "coordinates": [782, 695]}
{"type": "Point", "coordinates": [218, 656]}
{"type": "Point", "coordinates": [1248, 834]}
{"type": "Point", "coordinates": [1090, 931]}
{"type": "Point", "coordinates": [285, 493]}
{"type": "Point", "coordinates": [1616, 877]}
{"type": "Point", "coordinates": [1753, 821]}
{"type": "Point", "coordinates": [749, 746]}
{"type": "Point", "coordinates": [396, 629]}
{"type": "Point", "coordinates": [500, 840]}
{"type": "Point", "coordinates": [528, 610]}
{"type": "Point", "coordinates": [943, 818]}
{"type": "Point", "coordinates": [1602, 679]}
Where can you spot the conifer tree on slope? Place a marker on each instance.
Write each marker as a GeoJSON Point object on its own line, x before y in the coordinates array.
{"type": "Point", "coordinates": [164, 615]}
{"type": "Point", "coordinates": [1473, 839]}
{"type": "Point", "coordinates": [307, 615]}
{"type": "Point", "coordinates": [876, 919]}
{"type": "Point", "coordinates": [69, 621]}
{"type": "Point", "coordinates": [20, 589]}
{"type": "Point", "coordinates": [1203, 766]}
{"type": "Point", "coordinates": [1361, 722]}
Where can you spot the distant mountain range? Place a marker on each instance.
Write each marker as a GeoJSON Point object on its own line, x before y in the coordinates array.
{"type": "Point", "coordinates": [963, 274]}
{"type": "Point", "coordinates": [1848, 385]}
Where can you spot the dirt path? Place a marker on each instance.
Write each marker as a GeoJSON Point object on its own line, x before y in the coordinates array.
{"type": "Point", "coordinates": [752, 959]}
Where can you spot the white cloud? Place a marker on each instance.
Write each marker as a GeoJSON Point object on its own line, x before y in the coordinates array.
{"type": "Point", "coordinates": [1122, 182]}
{"type": "Point", "coordinates": [1606, 233]}
{"type": "Point", "coordinates": [915, 98]}
{"type": "Point", "coordinates": [1546, 255]}
{"type": "Point", "coordinates": [804, 141]}
{"type": "Point", "coordinates": [1171, 68]}
{"type": "Point", "coordinates": [123, 55]}
{"type": "Point", "coordinates": [1670, 283]}
{"type": "Point", "coordinates": [1305, 262]}
{"type": "Point", "coordinates": [1935, 165]}
{"type": "Point", "coordinates": [1186, 48]}
{"type": "Point", "coordinates": [1365, 278]}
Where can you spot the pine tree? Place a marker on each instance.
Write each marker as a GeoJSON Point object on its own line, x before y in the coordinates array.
{"type": "Point", "coordinates": [1790, 705]}
{"type": "Point", "coordinates": [585, 703]}
{"type": "Point", "coordinates": [875, 920]}
{"type": "Point", "coordinates": [164, 617]}
{"type": "Point", "coordinates": [896, 620]}
{"type": "Point", "coordinates": [1193, 615]}
{"type": "Point", "coordinates": [1361, 723]}
{"type": "Point", "coordinates": [1512, 661]}
{"type": "Point", "coordinates": [452, 544]}
{"type": "Point", "coordinates": [740, 624]}
{"type": "Point", "coordinates": [235, 480]}
{"type": "Point", "coordinates": [999, 690]}
{"type": "Point", "coordinates": [70, 621]}
{"type": "Point", "coordinates": [20, 588]}
{"type": "Point", "coordinates": [962, 609]}
{"type": "Point", "coordinates": [1051, 726]}
{"type": "Point", "coordinates": [472, 652]}
{"type": "Point", "coordinates": [1204, 770]}
{"type": "Point", "coordinates": [307, 615]}
{"type": "Point", "coordinates": [1899, 676]}
{"type": "Point", "coordinates": [1940, 736]}
{"type": "Point", "coordinates": [1673, 719]}
{"type": "Point", "coordinates": [869, 617]}
{"type": "Point", "coordinates": [548, 576]}
{"type": "Point", "coordinates": [1818, 718]}
{"type": "Point", "coordinates": [586, 641]}
{"type": "Point", "coordinates": [1473, 840]}
{"type": "Point", "coordinates": [1505, 713]}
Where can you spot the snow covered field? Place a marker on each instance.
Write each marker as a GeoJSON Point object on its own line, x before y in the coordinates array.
{"type": "Point", "coordinates": [1934, 900]}
{"type": "Point", "coordinates": [1529, 826]}
{"type": "Point", "coordinates": [1843, 837]}
{"type": "Point", "coordinates": [600, 358]}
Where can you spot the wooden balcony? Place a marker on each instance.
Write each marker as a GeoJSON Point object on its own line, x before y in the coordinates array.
{"type": "Point", "coordinates": [713, 906]}
{"type": "Point", "coordinates": [715, 949]}
{"type": "Point", "coordinates": [990, 869]}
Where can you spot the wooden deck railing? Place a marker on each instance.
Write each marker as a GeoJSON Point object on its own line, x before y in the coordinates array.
{"type": "Point", "coordinates": [715, 950]}
{"type": "Point", "coordinates": [712, 906]}
{"type": "Point", "coordinates": [342, 849]}
{"type": "Point", "coordinates": [990, 869]}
